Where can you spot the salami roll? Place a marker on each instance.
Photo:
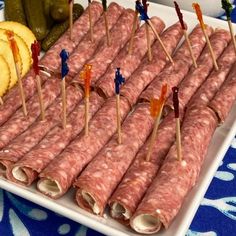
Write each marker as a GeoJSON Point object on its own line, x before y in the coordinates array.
{"type": "Point", "coordinates": [175, 179]}
{"type": "Point", "coordinates": [119, 35]}
{"type": "Point", "coordinates": [59, 175]}
{"type": "Point", "coordinates": [35, 133]}
{"type": "Point", "coordinates": [18, 123]}
{"type": "Point", "coordinates": [52, 59]}
{"type": "Point", "coordinates": [100, 178]}
{"type": "Point", "coordinates": [141, 173]}
{"type": "Point", "coordinates": [12, 100]}
{"type": "Point", "coordinates": [225, 97]}
{"type": "Point", "coordinates": [174, 73]}
{"type": "Point", "coordinates": [147, 71]}
{"type": "Point", "coordinates": [128, 62]}
{"type": "Point", "coordinates": [86, 49]}
{"type": "Point", "coordinates": [26, 170]}
{"type": "Point", "coordinates": [212, 84]}
{"type": "Point", "coordinates": [219, 41]}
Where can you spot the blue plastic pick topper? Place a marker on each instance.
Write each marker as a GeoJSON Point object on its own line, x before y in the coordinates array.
{"type": "Point", "coordinates": [141, 10]}
{"type": "Point", "coordinates": [119, 80]}
{"type": "Point", "coordinates": [64, 67]}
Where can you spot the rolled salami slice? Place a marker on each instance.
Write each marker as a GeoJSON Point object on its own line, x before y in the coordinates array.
{"type": "Point", "coordinates": [109, 166]}
{"type": "Point", "coordinates": [147, 71]}
{"type": "Point", "coordinates": [189, 85]}
{"type": "Point", "coordinates": [58, 176]}
{"type": "Point", "coordinates": [128, 62]}
{"type": "Point", "coordinates": [213, 83]}
{"type": "Point", "coordinates": [18, 123]}
{"type": "Point", "coordinates": [86, 48]}
{"type": "Point", "coordinates": [32, 136]}
{"type": "Point", "coordinates": [12, 99]}
{"type": "Point", "coordinates": [141, 173]}
{"type": "Point", "coordinates": [175, 179]}
{"type": "Point", "coordinates": [225, 97]}
{"type": "Point", "coordinates": [80, 27]}
{"type": "Point", "coordinates": [27, 169]}
{"type": "Point", "coordinates": [119, 35]}
{"type": "Point", "coordinates": [174, 73]}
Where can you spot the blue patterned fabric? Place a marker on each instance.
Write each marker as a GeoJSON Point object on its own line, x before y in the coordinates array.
{"type": "Point", "coordinates": [216, 215]}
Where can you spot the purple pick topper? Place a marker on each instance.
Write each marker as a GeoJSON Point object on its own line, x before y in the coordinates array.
{"type": "Point", "coordinates": [64, 67]}
{"type": "Point", "coordinates": [119, 80]}
{"type": "Point", "coordinates": [140, 8]}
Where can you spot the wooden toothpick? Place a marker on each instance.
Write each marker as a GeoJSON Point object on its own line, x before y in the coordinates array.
{"type": "Point", "coordinates": [198, 11]}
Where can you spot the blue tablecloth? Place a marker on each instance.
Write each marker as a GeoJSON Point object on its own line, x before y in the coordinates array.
{"type": "Point", "coordinates": [216, 214]}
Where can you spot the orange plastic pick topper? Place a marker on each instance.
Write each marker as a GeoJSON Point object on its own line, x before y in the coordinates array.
{"type": "Point", "coordinates": [13, 45]}
{"type": "Point", "coordinates": [198, 11]}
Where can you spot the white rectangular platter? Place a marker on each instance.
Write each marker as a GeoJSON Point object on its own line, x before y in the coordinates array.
{"type": "Point", "coordinates": [219, 145]}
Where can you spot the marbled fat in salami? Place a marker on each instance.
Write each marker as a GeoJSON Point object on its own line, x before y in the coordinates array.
{"type": "Point", "coordinates": [174, 73]}
{"type": "Point", "coordinates": [109, 166]}
{"type": "Point", "coordinates": [128, 62]}
{"type": "Point", "coordinates": [62, 171]}
{"type": "Point", "coordinates": [33, 135]}
{"type": "Point", "coordinates": [212, 84]}
{"type": "Point", "coordinates": [141, 173]}
{"type": "Point", "coordinates": [27, 169]}
{"type": "Point", "coordinates": [18, 123]}
{"type": "Point", "coordinates": [52, 59]}
{"type": "Point", "coordinates": [119, 35]}
{"type": "Point", "coordinates": [219, 40]}
{"type": "Point", "coordinates": [225, 97]}
{"type": "Point", "coordinates": [86, 48]}
{"type": "Point", "coordinates": [175, 179]}
{"type": "Point", "coordinates": [147, 71]}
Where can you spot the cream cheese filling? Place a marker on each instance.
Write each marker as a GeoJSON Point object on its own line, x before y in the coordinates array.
{"type": "Point", "coordinates": [19, 174]}
{"type": "Point", "coordinates": [119, 211]}
{"type": "Point", "coordinates": [146, 223]}
{"type": "Point", "coordinates": [91, 201]}
{"type": "Point", "coordinates": [50, 187]}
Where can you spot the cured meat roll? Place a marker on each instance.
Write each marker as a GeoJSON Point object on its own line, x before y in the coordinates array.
{"type": "Point", "coordinates": [119, 35]}
{"type": "Point", "coordinates": [174, 73]}
{"type": "Point", "coordinates": [144, 75]}
{"type": "Point", "coordinates": [128, 62]}
{"type": "Point", "coordinates": [212, 84]}
{"type": "Point", "coordinates": [109, 166]}
{"type": "Point", "coordinates": [18, 123]}
{"type": "Point", "coordinates": [175, 179]}
{"type": "Point", "coordinates": [219, 40]}
{"type": "Point", "coordinates": [52, 59]}
{"type": "Point", "coordinates": [141, 173]}
{"type": "Point", "coordinates": [27, 169]}
{"type": "Point", "coordinates": [87, 48]}
{"type": "Point", "coordinates": [225, 97]}
{"type": "Point", "coordinates": [32, 136]}
{"type": "Point", "coordinates": [59, 175]}
{"type": "Point", "coordinates": [12, 100]}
